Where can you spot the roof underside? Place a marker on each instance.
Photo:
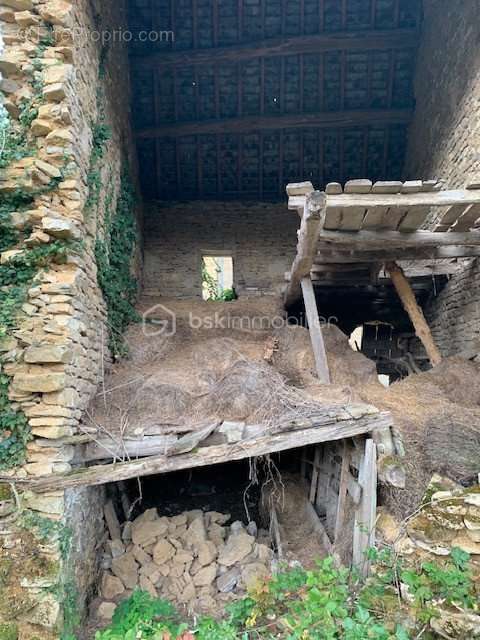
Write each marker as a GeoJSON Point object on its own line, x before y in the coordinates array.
{"type": "Point", "coordinates": [253, 94]}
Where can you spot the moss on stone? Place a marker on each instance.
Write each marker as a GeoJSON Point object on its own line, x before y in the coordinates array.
{"type": "Point", "coordinates": [5, 492]}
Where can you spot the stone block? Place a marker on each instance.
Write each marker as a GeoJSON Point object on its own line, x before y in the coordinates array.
{"type": "Point", "coordinates": [39, 382]}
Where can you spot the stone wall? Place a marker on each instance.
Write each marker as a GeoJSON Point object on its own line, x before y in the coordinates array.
{"type": "Point", "coordinates": [444, 142]}
{"type": "Point", "coordinates": [260, 237]}
{"type": "Point", "coordinates": [56, 353]}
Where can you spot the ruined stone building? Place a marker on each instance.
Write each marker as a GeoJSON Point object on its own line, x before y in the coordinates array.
{"type": "Point", "coordinates": [151, 149]}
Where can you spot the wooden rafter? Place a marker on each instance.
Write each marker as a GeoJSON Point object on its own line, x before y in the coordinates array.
{"type": "Point", "coordinates": [343, 40]}
{"type": "Point", "coordinates": [302, 120]}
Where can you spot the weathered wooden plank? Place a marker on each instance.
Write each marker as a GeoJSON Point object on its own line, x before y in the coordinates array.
{"type": "Point", "coordinates": [468, 218]}
{"type": "Point", "coordinates": [374, 218]}
{"type": "Point", "coordinates": [299, 188]}
{"type": "Point", "coordinates": [268, 443]}
{"type": "Point", "coordinates": [352, 221]}
{"type": "Point", "coordinates": [342, 492]}
{"type": "Point", "coordinates": [307, 244]}
{"type": "Point", "coordinates": [333, 188]}
{"type": "Point", "coordinates": [387, 186]}
{"type": "Point", "coordinates": [113, 525]}
{"type": "Point", "coordinates": [364, 528]}
{"type": "Point", "coordinates": [359, 254]}
{"type": "Point", "coordinates": [315, 330]}
{"type": "Point", "coordinates": [450, 216]}
{"type": "Point", "coordinates": [315, 471]}
{"type": "Point", "coordinates": [404, 200]}
{"type": "Point", "coordinates": [333, 218]}
{"type": "Point", "coordinates": [415, 313]}
{"type": "Point", "coordinates": [413, 219]}
{"type": "Point", "coordinates": [107, 448]}
{"type": "Point", "coordinates": [388, 239]}
{"type": "Point", "coordinates": [358, 186]}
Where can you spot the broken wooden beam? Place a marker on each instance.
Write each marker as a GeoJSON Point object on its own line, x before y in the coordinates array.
{"type": "Point", "coordinates": [345, 425]}
{"type": "Point", "coordinates": [307, 244]}
{"type": "Point", "coordinates": [415, 313]}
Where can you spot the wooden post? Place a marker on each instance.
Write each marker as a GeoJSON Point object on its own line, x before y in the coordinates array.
{"type": "Point", "coordinates": [342, 491]}
{"type": "Point", "coordinates": [315, 330]}
{"type": "Point", "coordinates": [307, 244]}
{"type": "Point", "coordinates": [406, 295]}
{"type": "Point", "coordinates": [365, 515]}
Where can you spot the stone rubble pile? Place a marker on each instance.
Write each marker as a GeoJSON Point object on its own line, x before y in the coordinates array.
{"type": "Point", "coordinates": [192, 560]}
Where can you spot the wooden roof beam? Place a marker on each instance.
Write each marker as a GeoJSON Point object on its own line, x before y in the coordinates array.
{"type": "Point", "coordinates": [342, 40]}
{"type": "Point", "coordinates": [301, 120]}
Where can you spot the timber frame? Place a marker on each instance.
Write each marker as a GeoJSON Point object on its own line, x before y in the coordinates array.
{"type": "Point", "coordinates": [366, 234]}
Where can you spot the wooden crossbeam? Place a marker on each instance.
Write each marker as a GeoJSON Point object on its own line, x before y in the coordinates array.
{"type": "Point", "coordinates": [307, 244]}
{"type": "Point", "coordinates": [347, 118]}
{"type": "Point", "coordinates": [403, 200]}
{"type": "Point", "coordinates": [342, 40]}
{"type": "Point", "coordinates": [202, 457]}
{"type": "Point", "coordinates": [389, 239]}
{"type": "Point", "coordinates": [359, 254]}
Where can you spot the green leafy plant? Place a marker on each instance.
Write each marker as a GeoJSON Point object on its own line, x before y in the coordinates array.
{"type": "Point", "coordinates": [114, 254]}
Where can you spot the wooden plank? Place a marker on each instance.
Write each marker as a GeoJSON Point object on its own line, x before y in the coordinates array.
{"type": "Point", "coordinates": [450, 216]}
{"type": "Point", "coordinates": [387, 186]}
{"type": "Point", "coordinates": [392, 219]}
{"type": "Point", "coordinates": [307, 244]}
{"type": "Point", "coordinates": [368, 240]}
{"type": "Point", "coordinates": [342, 492]}
{"type": "Point", "coordinates": [299, 188]}
{"type": "Point", "coordinates": [412, 186]}
{"type": "Point", "coordinates": [468, 219]}
{"type": "Point", "coordinates": [113, 525]}
{"type": "Point", "coordinates": [404, 200]}
{"type": "Point", "coordinates": [342, 40]}
{"type": "Point", "coordinates": [353, 220]}
{"type": "Point", "coordinates": [107, 448]}
{"type": "Point", "coordinates": [365, 515]}
{"type": "Point", "coordinates": [359, 254]}
{"type": "Point", "coordinates": [333, 218]}
{"type": "Point", "coordinates": [244, 124]}
{"type": "Point", "coordinates": [415, 313]}
{"type": "Point", "coordinates": [203, 457]}
{"type": "Point", "coordinates": [319, 528]}
{"type": "Point", "coordinates": [333, 188]}
{"type": "Point", "coordinates": [374, 217]}
{"type": "Point", "coordinates": [354, 489]}
{"type": "Point", "coordinates": [358, 186]}
{"type": "Point", "coordinates": [315, 471]}
{"type": "Point", "coordinates": [315, 330]}
{"type": "Point", "coordinates": [414, 219]}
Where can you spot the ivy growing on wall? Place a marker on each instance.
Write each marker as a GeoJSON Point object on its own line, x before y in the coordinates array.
{"type": "Point", "coordinates": [18, 274]}
{"type": "Point", "coordinates": [114, 254]}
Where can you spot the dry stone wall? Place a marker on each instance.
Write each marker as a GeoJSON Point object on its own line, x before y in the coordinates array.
{"type": "Point", "coordinates": [260, 237]}
{"type": "Point", "coordinates": [444, 142]}
{"type": "Point", "coordinates": [56, 351]}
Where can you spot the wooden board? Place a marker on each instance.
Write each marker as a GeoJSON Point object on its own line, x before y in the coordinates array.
{"type": "Point", "coordinates": [340, 427]}
{"type": "Point", "coordinates": [315, 331]}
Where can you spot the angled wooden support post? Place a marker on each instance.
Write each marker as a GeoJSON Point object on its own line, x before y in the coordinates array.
{"type": "Point", "coordinates": [365, 514]}
{"type": "Point", "coordinates": [411, 306]}
{"type": "Point", "coordinates": [315, 330]}
{"type": "Point", "coordinates": [313, 215]}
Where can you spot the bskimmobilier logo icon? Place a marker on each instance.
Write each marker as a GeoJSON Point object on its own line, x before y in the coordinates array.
{"type": "Point", "coordinates": [159, 321]}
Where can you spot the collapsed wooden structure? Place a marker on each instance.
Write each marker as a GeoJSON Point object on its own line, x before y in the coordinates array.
{"type": "Point", "coordinates": [353, 234]}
